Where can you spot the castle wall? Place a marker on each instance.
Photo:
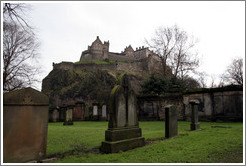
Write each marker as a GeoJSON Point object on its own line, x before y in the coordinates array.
{"type": "Point", "coordinates": [145, 64]}
{"type": "Point", "coordinates": [87, 66]}
{"type": "Point", "coordinates": [86, 55]}
{"type": "Point", "coordinates": [119, 57]}
{"type": "Point", "coordinates": [141, 65]}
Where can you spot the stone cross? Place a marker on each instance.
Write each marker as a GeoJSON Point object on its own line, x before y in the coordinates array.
{"type": "Point", "coordinates": [194, 115]}
{"type": "Point", "coordinates": [171, 121]}
{"type": "Point", "coordinates": [123, 131]}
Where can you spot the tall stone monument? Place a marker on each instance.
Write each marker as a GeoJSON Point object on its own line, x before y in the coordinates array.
{"type": "Point", "coordinates": [194, 115]}
{"type": "Point", "coordinates": [123, 130]}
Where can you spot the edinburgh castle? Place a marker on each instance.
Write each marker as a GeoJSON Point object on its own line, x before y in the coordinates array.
{"type": "Point", "coordinates": [141, 59]}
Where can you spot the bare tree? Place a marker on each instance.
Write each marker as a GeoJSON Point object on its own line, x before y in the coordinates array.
{"type": "Point", "coordinates": [213, 77]}
{"type": "Point", "coordinates": [202, 79]}
{"type": "Point", "coordinates": [20, 51]}
{"type": "Point", "coordinates": [175, 48]}
{"type": "Point", "coordinates": [15, 13]}
{"type": "Point", "coordinates": [163, 42]}
{"type": "Point", "coordinates": [234, 72]}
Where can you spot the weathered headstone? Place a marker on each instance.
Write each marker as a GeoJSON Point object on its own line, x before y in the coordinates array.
{"type": "Point", "coordinates": [78, 113]}
{"type": "Point", "coordinates": [87, 114]}
{"type": "Point", "coordinates": [55, 115]}
{"type": "Point", "coordinates": [62, 113]}
{"type": "Point", "coordinates": [104, 112]}
{"type": "Point", "coordinates": [25, 122]}
{"type": "Point", "coordinates": [194, 115]}
{"type": "Point", "coordinates": [95, 112]}
{"type": "Point", "coordinates": [123, 130]}
{"type": "Point", "coordinates": [69, 115]}
{"type": "Point", "coordinates": [171, 121]}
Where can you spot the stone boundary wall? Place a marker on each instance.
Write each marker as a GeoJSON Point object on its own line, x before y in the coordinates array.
{"type": "Point", "coordinates": [216, 104]}
{"type": "Point", "coordinates": [153, 107]}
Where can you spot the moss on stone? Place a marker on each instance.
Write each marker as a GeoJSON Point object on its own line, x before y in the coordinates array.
{"type": "Point", "coordinates": [120, 78]}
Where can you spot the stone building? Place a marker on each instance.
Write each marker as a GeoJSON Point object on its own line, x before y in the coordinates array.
{"type": "Point", "coordinates": [100, 51]}
{"type": "Point", "coordinates": [141, 59]}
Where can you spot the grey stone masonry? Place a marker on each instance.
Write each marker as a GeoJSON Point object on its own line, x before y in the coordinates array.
{"type": "Point", "coordinates": [194, 115]}
{"type": "Point", "coordinates": [171, 121]}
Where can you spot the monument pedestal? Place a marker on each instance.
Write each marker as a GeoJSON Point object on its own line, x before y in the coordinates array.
{"type": "Point", "coordinates": [123, 130]}
{"type": "Point", "coordinates": [122, 140]}
{"type": "Point", "coordinates": [195, 126]}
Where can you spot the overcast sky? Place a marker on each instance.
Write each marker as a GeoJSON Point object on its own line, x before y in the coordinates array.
{"type": "Point", "coordinates": [65, 29]}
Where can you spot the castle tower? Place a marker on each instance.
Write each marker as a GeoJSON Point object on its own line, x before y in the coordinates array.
{"type": "Point", "coordinates": [97, 51]}
{"type": "Point", "coordinates": [129, 51]}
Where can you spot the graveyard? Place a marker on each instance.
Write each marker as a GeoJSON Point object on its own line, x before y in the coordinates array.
{"type": "Point", "coordinates": [214, 143]}
{"type": "Point", "coordinates": [118, 83]}
{"type": "Point", "coordinates": [122, 138]}
{"type": "Point", "coordinates": [91, 112]}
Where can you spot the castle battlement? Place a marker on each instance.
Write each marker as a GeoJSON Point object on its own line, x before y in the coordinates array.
{"type": "Point", "coordinates": [100, 51]}
{"type": "Point", "coordinates": [141, 59]}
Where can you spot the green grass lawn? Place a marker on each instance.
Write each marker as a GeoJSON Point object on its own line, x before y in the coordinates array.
{"type": "Point", "coordinates": [216, 142]}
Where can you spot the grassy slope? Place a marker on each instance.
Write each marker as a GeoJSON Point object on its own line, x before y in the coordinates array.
{"type": "Point", "coordinates": [211, 144]}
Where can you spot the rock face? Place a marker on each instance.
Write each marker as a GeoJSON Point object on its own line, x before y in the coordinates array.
{"type": "Point", "coordinates": [69, 86]}
{"type": "Point", "coordinates": [66, 87]}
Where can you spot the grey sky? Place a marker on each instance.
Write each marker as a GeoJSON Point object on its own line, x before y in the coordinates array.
{"type": "Point", "coordinates": [65, 29]}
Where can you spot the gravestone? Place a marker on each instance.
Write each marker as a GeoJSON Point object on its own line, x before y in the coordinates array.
{"type": "Point", "coordinates": [123, 130]}
{"type": "Point", "coordinates": [171, 121]}
{"type": "Point", "coordinates": [69, 115]}
{"type": "Point", "coordinates": [62, 113]}
{"type": "Point", "coordinates": [104, 112]}
{"type": "Point", "coordinates": [95, 112]}
{"type": "Point", "coordinates": [78, 111]}
{"type": "Point", "coordinates": [25, 122]}
{"type": "Point", "coordinates": [86, 116]}
{"type": "Point", "coordinates": [55, 115]}
{"type": "Point", "coordinates": [194, 115]}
